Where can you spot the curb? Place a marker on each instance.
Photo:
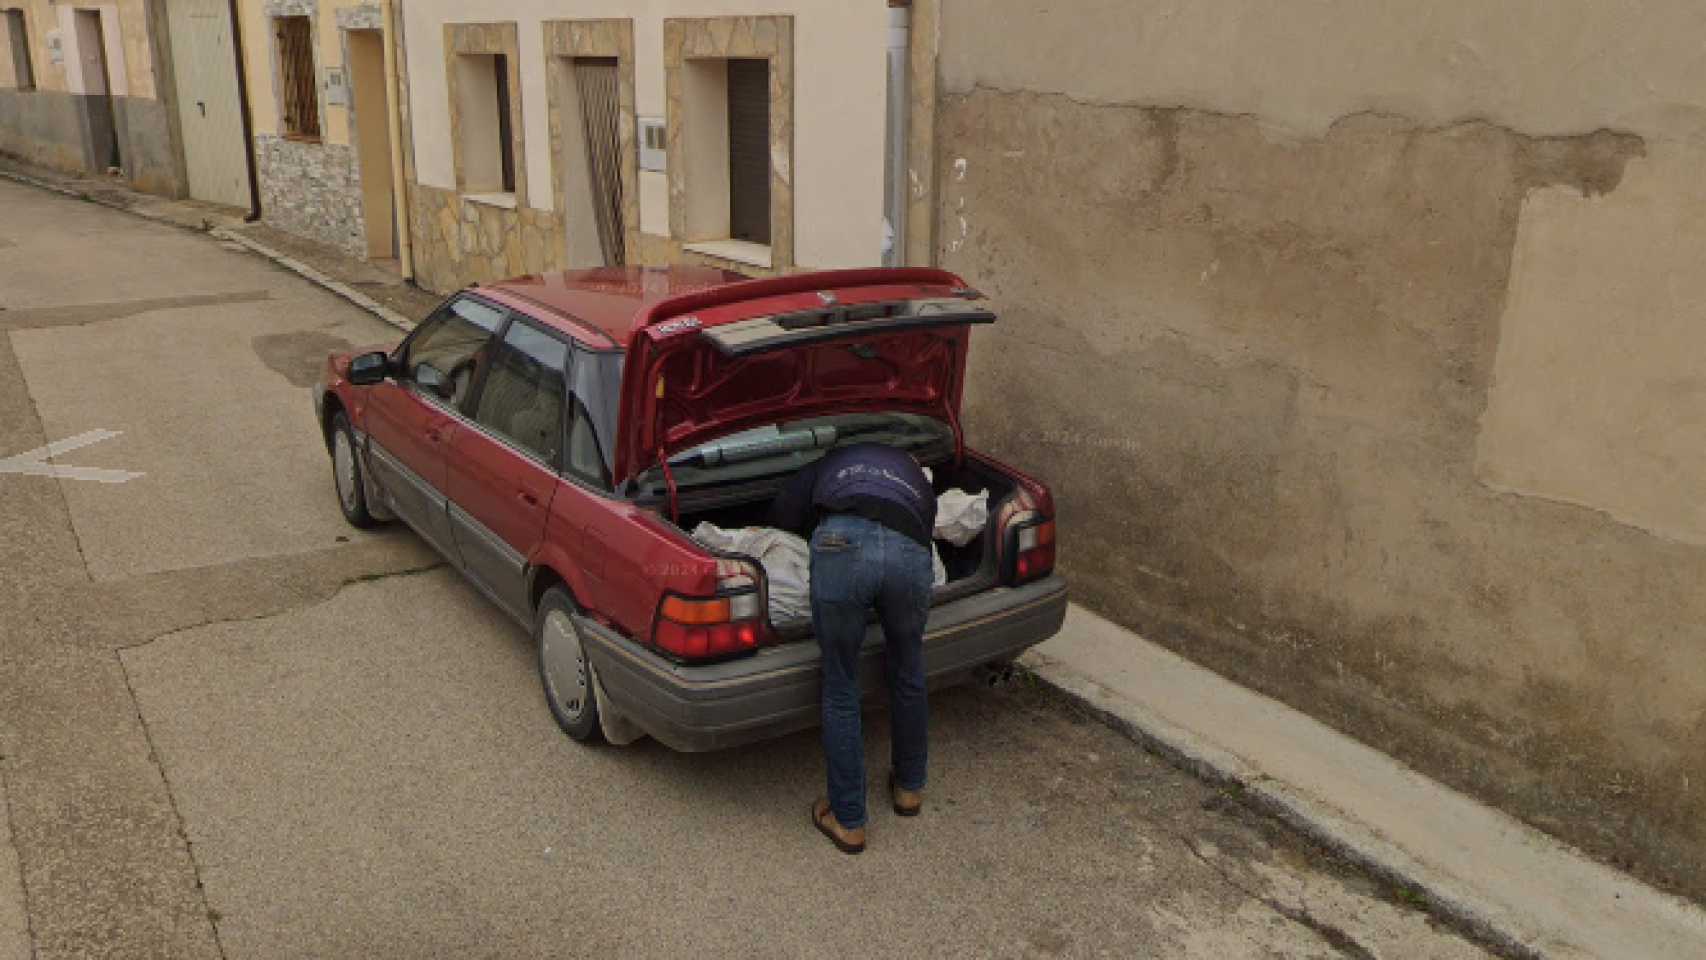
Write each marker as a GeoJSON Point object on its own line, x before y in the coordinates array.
{"type": "Point", "coordinates": [1346, 838]}
{"type": "Point", "coordinates": [303, 270]}
{"type": "Point", "coordinates": [314, 276]}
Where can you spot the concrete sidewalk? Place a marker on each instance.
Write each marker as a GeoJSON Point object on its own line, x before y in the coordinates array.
{"type": "Point", "coordinates": [1526, 892]}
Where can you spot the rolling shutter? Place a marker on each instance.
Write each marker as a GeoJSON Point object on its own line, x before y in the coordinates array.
{"type": "Point", "coordinates": [749, 150]}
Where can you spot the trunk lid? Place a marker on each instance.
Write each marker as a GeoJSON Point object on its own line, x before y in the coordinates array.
{"type": "Point", "coordinates": [746, 354]}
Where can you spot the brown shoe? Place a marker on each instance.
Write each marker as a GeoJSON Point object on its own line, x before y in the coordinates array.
{"type": "Point", "coordinates": [907, 803]}
{"type": "Point", "coordinates": [845, 840]}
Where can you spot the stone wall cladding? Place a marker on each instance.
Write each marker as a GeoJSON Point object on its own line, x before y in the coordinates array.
{"type": "Point", "coordinates": [312, 189]}
{"type": "Point", "coordinates": [367, 16]}
{"type": "Point", "coordinates": [458, 242]}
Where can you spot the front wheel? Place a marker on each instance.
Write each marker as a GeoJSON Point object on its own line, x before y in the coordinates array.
{"type": "Point", "coordinates": [563, 668]}
{"type": "Point", "coordinates": [347, 473]}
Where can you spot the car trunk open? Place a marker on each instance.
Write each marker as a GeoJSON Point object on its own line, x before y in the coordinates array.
{"type": "Point", "coordinates": [970, 568]}
{"type": "Point", "coordinates": [695, 373]}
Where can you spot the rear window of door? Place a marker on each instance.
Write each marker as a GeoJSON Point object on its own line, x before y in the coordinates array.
{"type": "Point", "coordinates": [455, 342]}
{"type": "Point", "coordinates": [523, 398]}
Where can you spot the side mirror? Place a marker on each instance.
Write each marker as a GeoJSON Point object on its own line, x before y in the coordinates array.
{"type": "Point", "coordinates": [429, 379]}
{"type": "Point", "coordinates": [369, 369]}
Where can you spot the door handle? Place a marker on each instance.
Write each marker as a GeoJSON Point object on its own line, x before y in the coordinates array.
{"type": "Point", "coordinates": [433, 435]}
{"type": "Point", "coordinates": [528, 497]}
{"type": "Point", "coordinates": [202, 106]}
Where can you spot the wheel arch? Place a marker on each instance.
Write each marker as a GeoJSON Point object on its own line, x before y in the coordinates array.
{"type": "Point", "coordinates": [541, 578]}
{"type": "Point", "coordinates": [330, 407]}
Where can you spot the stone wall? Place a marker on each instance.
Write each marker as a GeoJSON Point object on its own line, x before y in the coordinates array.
{"type": "Point", "coordinates": [312, 189]}
{"type": "Point", "coordinates": [458, 242]}
{"type": "Point", "coordinates": [1361, 348]}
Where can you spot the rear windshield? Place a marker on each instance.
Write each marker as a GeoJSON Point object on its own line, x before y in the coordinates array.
{"type": "Point", "coordinates": [783, 448]}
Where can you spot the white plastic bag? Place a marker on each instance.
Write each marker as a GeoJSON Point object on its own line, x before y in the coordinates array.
{"type": "Point", "coordinates": [961, 516]}
{"type": "Point", "coordinates": [938, 573]}
{"type": "Point", "coordinates": [786, 560]}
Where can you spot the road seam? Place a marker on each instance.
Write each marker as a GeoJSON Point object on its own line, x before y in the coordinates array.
{"type": "Point", "coordinates": [23, 875]}
{"type": "Point", "coordinates": [1269, 797]}
{"type": "Point", "coordinates": [41, 431]}
{"type": "Point", "coordinates": [1331, 934]}
{"type": "Point", "coordinates": [303, 270]}
{"type": "Point", "coordinates": [208, 912]}
{"type": "Point", "coordinates": [312, 602]}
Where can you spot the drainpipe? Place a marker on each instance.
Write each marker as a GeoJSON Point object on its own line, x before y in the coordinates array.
{"type": "Point", "coordinates": [254, 213]}
{"type": "Point", "coordinates": [399, 189]}
{"type": "Point", "coordinates": [894, 174]}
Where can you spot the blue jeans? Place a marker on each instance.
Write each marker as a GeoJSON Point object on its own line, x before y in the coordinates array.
{"type": "Point", "coordinates": [858, 564]}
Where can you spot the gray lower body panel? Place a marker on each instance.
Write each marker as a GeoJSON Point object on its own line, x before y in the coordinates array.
{"type": "Point", "coordinates": [778, 690]}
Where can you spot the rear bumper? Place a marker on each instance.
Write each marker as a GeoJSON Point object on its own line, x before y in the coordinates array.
{"type": "Point", "coordinates": [777, 691]}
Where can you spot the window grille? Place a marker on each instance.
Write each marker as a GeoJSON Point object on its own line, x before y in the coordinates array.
{"type": "Point", "coordinates": [298, 87]}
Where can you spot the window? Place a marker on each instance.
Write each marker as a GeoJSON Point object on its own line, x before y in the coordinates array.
{"type": "Point", "coordinates": [523, 398]}
{"type": "Point", "coordinates": [727, 150]}
{"type": "Point", "coordinates": [18, 41]}
{"type": "Point", "coordinates": [454, 343]}
{"type": "Point", "coordinates": [729, 108]}
{"type": "Point", "coordinates": [298, 87]}
{"type": "Point", "coordinates": [488, 132]}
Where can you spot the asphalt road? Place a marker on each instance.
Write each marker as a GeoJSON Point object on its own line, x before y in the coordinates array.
{"type": "Point", "coordinates": [231, 726]}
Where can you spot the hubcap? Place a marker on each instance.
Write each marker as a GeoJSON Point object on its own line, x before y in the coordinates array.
{"type": "Point", "coordinates": [343, 465]}
{"type": "Point", "coordinates": [565, 665]}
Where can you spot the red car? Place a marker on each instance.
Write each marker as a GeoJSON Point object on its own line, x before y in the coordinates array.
{"type": "Point", "coordinates": [558, 437]}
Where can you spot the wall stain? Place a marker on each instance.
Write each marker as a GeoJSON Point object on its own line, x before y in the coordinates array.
{"type": "Point", "coordinates": [298, 356]}
{"type": "Point", "coordinates": [1253, 371]}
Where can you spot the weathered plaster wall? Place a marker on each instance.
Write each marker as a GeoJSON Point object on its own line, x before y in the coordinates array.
{"type": "Point", "coordinates": [1361, 342]}
{"type": "Point", "coordinates": [51, 124]}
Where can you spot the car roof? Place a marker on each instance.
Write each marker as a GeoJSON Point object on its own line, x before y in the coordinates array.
{"type": "Point", "coordinates": [604, 300]}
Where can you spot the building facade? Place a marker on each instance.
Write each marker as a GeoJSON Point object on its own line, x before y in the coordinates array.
{"type": "Point", "coordinates": [1362, 345]}
{"type": "Point", "coordinates": [572, 133]}
{"type": "Point", "coordinates": [80, 91]}
{"type": "Point", "coordinates": [320, 108]}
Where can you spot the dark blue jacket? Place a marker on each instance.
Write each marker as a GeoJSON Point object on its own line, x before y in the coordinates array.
{"type": "Point", "coordinates": [866, 479]}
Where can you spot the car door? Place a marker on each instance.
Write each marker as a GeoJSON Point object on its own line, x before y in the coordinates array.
{"type": "Point", "coordinates": [409, 422]}
{"type": "Point", "coordinates": [503, 467]}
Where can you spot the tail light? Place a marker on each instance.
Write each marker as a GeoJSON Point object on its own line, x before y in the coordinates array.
{"type": "Point", "coordinates": [730, 622]}
{"type": "Point", "coordinates": [1029, 547]}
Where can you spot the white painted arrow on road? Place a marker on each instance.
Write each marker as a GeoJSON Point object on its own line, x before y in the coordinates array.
{"type": "Point", "coordinates": [34, 463]}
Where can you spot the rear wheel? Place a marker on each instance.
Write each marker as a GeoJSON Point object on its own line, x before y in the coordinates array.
{"type": "Point", "coordinates": [347, 473]}
{"type": "Point", "coordinates": [563, 668]}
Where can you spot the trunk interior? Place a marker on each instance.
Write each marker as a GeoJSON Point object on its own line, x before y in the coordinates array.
{"type": "Point", "coordinates": [970, 568]}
